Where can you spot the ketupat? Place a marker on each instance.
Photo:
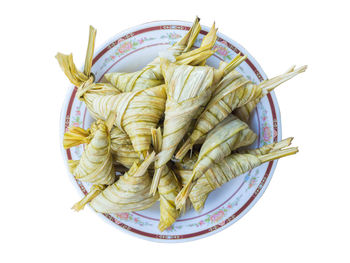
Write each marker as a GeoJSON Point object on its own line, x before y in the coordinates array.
{"type": "Point", "coordinates": [129, 193]}
{"type": "Point", "coordinates": [168, 188]}
{"type": "Point", "coordinates": [188, 89]}
{"type": "Point", "coordinates": [233, 91]}
{"type": "Point", "coordinates": [233, 166]}
{"type": "Point", "coordinates": [121, 146]}
{"type": "Point", "coordinates": [137, 113]}
{"type": "Point", "coordinates": [226, 137]}
{"type": "Point", "coordinates": [84, 81]}
{"type": "Point", "coordinates": [96, 163]}
{"type": "Point", "coordinates": [151, 75]}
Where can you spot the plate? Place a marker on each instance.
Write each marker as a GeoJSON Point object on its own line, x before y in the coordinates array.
{"type": "Point", "coordinates": [129, 51]}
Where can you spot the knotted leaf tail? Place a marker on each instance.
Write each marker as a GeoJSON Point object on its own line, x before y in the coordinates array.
{"type": "Point", "coordinates": [77, 77]}
{"type": "Point", "coordinates": [94, 191]}
{"type": "Point", "coordinates": [67, 65]}
{"type": "Point", "coordinates": [184, 149]}
{"type": "Point", "coordinates": [76, 136]}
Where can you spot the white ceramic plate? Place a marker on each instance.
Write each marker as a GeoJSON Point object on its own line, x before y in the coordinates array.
{"type": "Point", "coordinates": [129, 51]}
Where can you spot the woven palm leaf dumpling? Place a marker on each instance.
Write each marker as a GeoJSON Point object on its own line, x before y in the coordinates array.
{"type": "Point", "coordinates": [84, 81]}
{"type": "Point", "coordinates": [96, 163]}
{"type": "Point", "coordinates": [226, 137]}
{"type": "Point", "coordinates": [147, 122]}
{"type": "Point", "coordinates": [188, 90]}
{"type": "Point", "coordinates": [129, 193]}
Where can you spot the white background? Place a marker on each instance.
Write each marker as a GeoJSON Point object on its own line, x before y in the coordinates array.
{"type": "Point", "coordinates": [302, 217]}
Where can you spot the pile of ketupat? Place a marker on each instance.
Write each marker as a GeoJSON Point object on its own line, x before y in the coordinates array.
{"type": "Point", "coordinates": [177, 126]}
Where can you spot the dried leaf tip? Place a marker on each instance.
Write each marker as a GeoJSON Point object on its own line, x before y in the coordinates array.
{"type": "Point", "coordinates": [76, 136]}
{"type": "Point", "coordinates": [191, 35]}
{"type": "Point", "coordinates": [157, 139]}
{"type": "Point", "coordinates": [277, 154]}
{"type": "Point", "coordinates": [235, 63]}
{"type": "Point", "coordinates": [271, 84]}
{"type": "Point", "coordinates": [67, 65]}
{"type": "Point", "coordinates": [94, 191]}
{"type": "Point", "coordinates": [141, 170]}
{"type": "Point", "coordinates": [180, 200]}
{"type": "Point", "coordinates": [282, 144]}
{"type": "Point", "coordinates": [156, 178]}
{"type": "Point", "coordinates": [90, 51]}
{"type": "Point", "coordinates": [210, 38]}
